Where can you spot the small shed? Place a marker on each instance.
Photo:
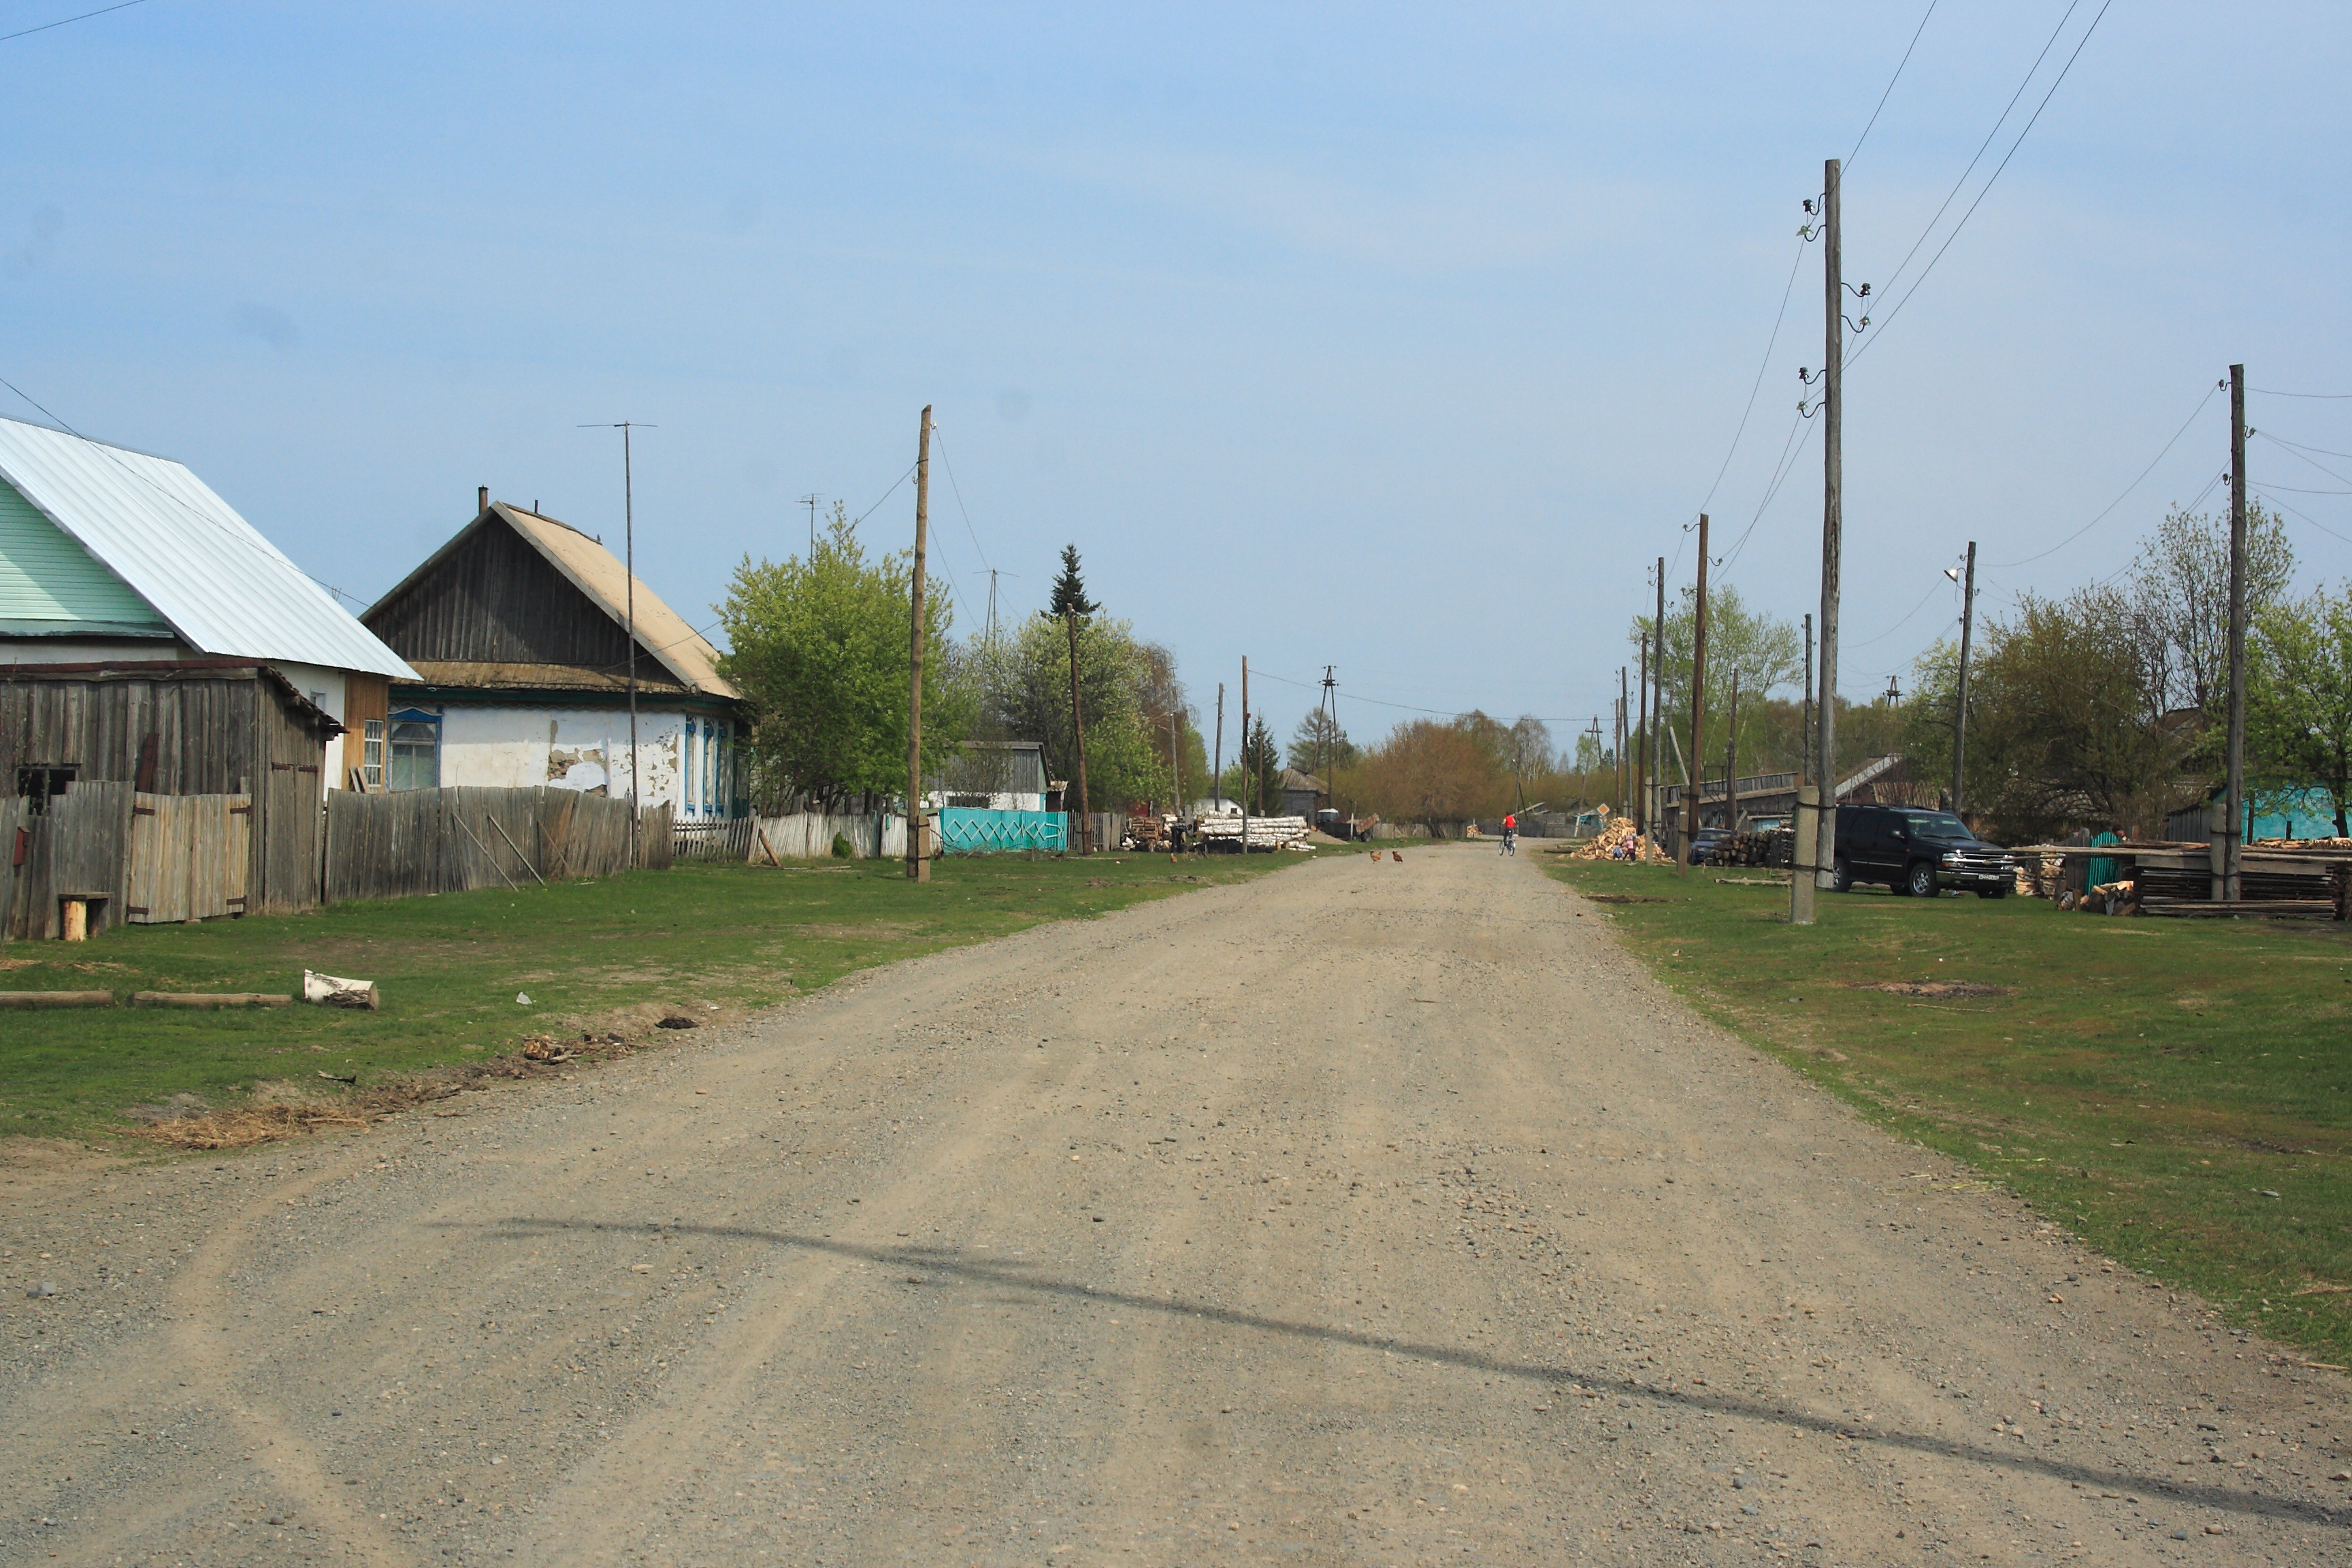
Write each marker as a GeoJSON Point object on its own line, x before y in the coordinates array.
{"type": "Point", "coordinates": [1301, 793]}
{"type": "Point", "coordinates": [233, 733]}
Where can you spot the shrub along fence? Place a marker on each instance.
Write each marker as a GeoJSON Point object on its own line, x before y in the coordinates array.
{"type": "Point", "coordinates": [411, 842]}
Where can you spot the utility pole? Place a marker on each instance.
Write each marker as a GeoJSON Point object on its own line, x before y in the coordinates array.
{"type": "Point", "coordinates": [1217, 762]}
{"type": "Point", "coordinates": [629, 570]}
{"type": "Point", "coordinates": [1658, 695]}
{"type": "Point", "coordinates": [918, 865]}
{"type": "Point", "coordinates": [1245, 755]}
{"type": "Point", "coordinates": [1323, 734]}
{"type": "Point", "coordinates": [1824, 811]}
{"type": "Point", "coordinates": [810, 501]}
{"type": "Point", "coordinates": [1731, 758]}
{"type": "Point", "coordinates": [1078, 734]}
{"type": "Point", "coordinates": [1641, 811]}
{"type": "Point", "coordinates": [1176, 758]}
{"type": "Point", "coordinates": [1961, 701]}
{"type": "Point", "coordinates": [1689, 823]}
{"type": "Point", "coordinates": [2233, 845]}
{"type": "Point", "coordinates": [1624, 731]}
{"type": "Point", "coordinates": [1805, 717]}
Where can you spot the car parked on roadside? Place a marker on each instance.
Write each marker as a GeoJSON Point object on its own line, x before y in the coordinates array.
{"type": "Point", "coordinates": [1917, 852]}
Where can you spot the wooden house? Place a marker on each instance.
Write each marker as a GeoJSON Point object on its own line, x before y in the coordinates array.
{"type": "Point", "coordinates": [519, 632]}
{"type": "Point", "coordinates": [151, 642]}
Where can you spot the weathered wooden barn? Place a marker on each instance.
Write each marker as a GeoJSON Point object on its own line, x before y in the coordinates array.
{"type": "Point", "coordinates": [519, 631]}
{"type": "Point", "coordinates": [94, 749]}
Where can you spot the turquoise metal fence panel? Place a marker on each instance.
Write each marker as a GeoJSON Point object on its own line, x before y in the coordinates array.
{"type": "Point", "coordinates": [965, 830]}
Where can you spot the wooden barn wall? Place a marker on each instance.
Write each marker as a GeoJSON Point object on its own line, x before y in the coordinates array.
{"type": "Point", "coordinates": [496, 599]}
{"type": "Point", "coordinates": [224, 733]}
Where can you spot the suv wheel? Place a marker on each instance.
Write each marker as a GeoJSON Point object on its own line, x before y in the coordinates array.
{"type": "Point", "coordinates": [1842, 876]}
{"type": "Point", "coordinates": [1919, 880]}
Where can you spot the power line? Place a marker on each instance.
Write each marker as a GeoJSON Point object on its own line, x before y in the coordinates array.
{"type": "Point", "coordinates": [1899, 624]}
{"type": "Point", "coordinates": [2177, 434]}
{"type": "Point", "coordinates": [2323, 396]}
{"type": "Point", "coordinates": [1890, 83]}
{"type": "Point", "coordinates": [1787, 290]}
{"type": "Point", "coordinates": [86, 16]}
{"type": "Point", "coordinates": [2298, 455]}
{"type": "Point", "coordinates": [959, 496]}
{"type": "Point", "coordinates": [1995, 176]}
{"type": "Point", "coordinates": [2304, 515]}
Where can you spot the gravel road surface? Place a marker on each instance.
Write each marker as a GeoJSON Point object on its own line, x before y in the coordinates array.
{"type": "Point", "coordinates": [1369, 1213]}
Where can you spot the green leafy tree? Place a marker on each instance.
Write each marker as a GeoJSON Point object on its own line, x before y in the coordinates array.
{"type": "Point", "coordinates": [819, 649]}
{"type": "Point", "coordinates": [2299, 698]}
{"type": "Point", "coordinates": [1766, 652]}
{"type": "Point", "coordinates": [1029, 700]}
{"type": "Point", "coordinates": [2180, 599]}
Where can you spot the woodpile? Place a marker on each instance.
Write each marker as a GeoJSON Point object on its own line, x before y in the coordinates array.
{"type": "Point", "coordinates": [1620, 841]}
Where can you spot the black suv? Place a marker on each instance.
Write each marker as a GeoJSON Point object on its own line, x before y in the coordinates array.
{"type": "Point", "coordinates": [1916, 852]}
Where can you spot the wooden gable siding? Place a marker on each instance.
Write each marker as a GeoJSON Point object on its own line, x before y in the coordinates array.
{"type": "Point", "coordinates": [495, 599]}
{"type": "Point", "coordinates": [213, 732]}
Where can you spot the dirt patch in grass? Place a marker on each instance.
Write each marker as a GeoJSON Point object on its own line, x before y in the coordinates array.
{"type": "Point", "coordinates": [1929, 988]}
{"type": "Point", "coordinates": [1621, 898]}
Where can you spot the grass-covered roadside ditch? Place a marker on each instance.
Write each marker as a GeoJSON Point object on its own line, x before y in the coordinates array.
{"type": "Point", "coordinates": [604, 958]}
{"type": "Point", "coordinates": [2178, 1093]}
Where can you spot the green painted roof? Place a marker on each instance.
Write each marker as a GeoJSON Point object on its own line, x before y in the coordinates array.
{"type": "Point", "coordinates": [49, 584]}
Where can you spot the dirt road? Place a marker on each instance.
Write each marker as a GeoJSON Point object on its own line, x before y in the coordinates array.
{"type": "Point", "coordinates": [1367, 1212]}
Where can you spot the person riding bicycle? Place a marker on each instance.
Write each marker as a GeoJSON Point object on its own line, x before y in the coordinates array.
{"type": "Point", "coordinates": [1511, 833]}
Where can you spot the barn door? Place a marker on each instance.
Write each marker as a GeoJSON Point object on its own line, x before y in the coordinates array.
{"type": "Point", "coordinates": [189, 857]}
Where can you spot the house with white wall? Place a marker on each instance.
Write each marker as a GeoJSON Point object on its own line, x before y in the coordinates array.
{"type": "Point", "coordinates": [520, 631]}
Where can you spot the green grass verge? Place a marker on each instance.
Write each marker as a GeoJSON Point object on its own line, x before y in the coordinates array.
{"type": "Point", "coordinates": [2178, 1093]}
{"type": "Point", "coordinates": [588, 955]}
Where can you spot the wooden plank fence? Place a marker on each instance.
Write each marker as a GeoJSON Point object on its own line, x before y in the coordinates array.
{"type": "Point", "coordinates": [413, 842]}
{"type": "Point", "coordinates": [808, 834]}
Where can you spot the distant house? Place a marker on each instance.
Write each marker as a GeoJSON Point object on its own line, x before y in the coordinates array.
{"type": "Point", "coordinates": [151, 642]}
{"type": "Point", "coordinates": [991, 776]}
{"type": "Point", "coordinates": [517, 631]}
{"type": "Point", "coordinates": [1301, 792]}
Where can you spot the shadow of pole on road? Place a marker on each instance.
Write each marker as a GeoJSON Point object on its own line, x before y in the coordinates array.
{"type": "Point", "coordinates": [941, 1264]}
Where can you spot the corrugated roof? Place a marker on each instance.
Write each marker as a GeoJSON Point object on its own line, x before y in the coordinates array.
{"type": "Point", "coordinates": [224, 588]}
{"type": "Point", "coordinates": [598, 573]}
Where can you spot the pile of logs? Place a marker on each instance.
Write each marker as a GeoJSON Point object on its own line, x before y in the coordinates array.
{"type": "Point", "coordinates": [1619, 841]}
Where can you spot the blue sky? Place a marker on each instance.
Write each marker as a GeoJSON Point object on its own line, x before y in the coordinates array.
{"type": "Point", "coordinates": [1396, 339]}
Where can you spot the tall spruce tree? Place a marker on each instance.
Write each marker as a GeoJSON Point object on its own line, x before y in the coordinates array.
{"type": "Point", "coordinates": [1070, 588]}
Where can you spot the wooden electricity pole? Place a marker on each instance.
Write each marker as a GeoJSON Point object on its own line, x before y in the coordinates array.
{"type": "Point", "coordinates": [2233, 845]}
{"type": "Point", "coordinates": [1689, 824]}
{"type": "Point", "coordinates": [1731, 758]}
{"type": "Point", "coordinates": [1824, 823]}
{"type": "Point", "coordinates": [1658, 695]}
{"type": "Point", "coordinates": [1641, 811]}
{"type": "Point", "coordinates": [1624, 729]}
{"type": "Point", "coordinates": [1960, 700]}
{"type": "Point", "coordinates": [918, 865]}
{"type": "Point", "coordinates": [1217, 762]}
{"type": "Point", "coordinates": [1078, 737]}
{"type": "Point", "coordinates": [1244, 754]}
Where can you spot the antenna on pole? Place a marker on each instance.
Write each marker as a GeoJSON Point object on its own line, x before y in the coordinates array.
{"type": "Point", "coordinates": [810, 501]}
{"type": "Point", "coordinates": [629, 570]}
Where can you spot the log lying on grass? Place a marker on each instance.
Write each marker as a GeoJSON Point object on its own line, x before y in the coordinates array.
{"type": "Point", "coordinates": [57, 998]}
{"type": "Point", "coordinates": [208, 999]}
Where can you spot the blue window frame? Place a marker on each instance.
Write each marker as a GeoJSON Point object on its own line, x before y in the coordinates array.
{"type": "Point", "coordinates": [415, 744]}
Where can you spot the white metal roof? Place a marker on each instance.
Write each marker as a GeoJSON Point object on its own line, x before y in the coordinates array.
{"type": "Point", "coordinates": [224, 588]}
